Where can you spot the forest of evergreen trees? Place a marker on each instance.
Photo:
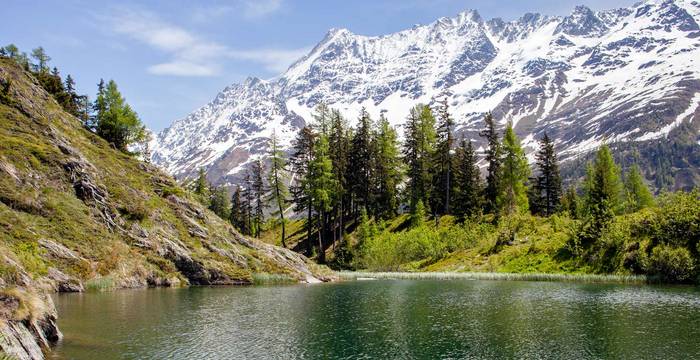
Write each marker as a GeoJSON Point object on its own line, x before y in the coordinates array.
{"type": "Point", "coordinates": [344, 175]}
{"type": "Point", "coordinates": [109, 116]}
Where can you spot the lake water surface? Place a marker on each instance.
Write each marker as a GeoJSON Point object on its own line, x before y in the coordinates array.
{"type": "Point", "coordinates": [385, 319]}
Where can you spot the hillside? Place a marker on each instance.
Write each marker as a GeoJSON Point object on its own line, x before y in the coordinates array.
{"type": "Point", "coordinates": [77, 215]}
{"type": "Point", "coordinates": [625, 76]}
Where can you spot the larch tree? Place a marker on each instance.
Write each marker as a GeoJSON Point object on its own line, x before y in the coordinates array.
{"type": "Point", "coordinates": [118, 123]}
{"type": "Point", "coordinates": [418, 149]}
{"type": "Point", "coordinates": [321, 185]}
{"type": "Point", "coordinates": [278, 179]}
{"type": "Point", "coordinates": [512, 194]}
{"type": "Point", "coordinates": [387, 170]}
{"type": "Point", "coordinates": [638, 194]}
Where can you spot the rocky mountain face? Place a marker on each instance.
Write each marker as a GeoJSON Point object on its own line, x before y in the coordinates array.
{"type": "Point", "coordinates": [76, 214]}
{"type": "Point", "coordinates": [623, 76]}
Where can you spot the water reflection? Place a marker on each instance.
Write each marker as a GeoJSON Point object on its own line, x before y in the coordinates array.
{"type": "Point", "coordinates": [384, 319]}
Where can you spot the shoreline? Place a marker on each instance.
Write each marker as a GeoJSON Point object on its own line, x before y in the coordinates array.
{"type": "Point", "coordinates": [579, 278]}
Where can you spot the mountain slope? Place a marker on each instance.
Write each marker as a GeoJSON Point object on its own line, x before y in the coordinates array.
{"type": "Point", "coordinates": [591, 77]}
{"type": "Point", "coordinates": [76, 214]}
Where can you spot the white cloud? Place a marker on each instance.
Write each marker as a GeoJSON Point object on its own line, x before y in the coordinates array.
{"type": "Point", "coordinates": [192, 55]}
{"type": "Point", "coordinates": [249, 9]}
{"type": "Point", "coordinates": [274, 60]}
{"type": "Point", "coordinates": [182, 68]}
{"type": "Point", "coordinates": [260, 8]}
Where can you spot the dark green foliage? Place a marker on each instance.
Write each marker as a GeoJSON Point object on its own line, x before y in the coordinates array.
{"type": "Point", "coordinates": [419, 146]}
{"type": "Point", "coordinates": [443, 182]}
{"type": "Point", "coordinates": [570, 202]}
{"type": "Point", "coordinates": [547, 185]}
{"type": "Point", "coordinates": [301, 158]}
{"type": "Point", "coordinates": [5, 96]}
{"type": "Point", "coordinates": [219, 203]}
{"type": "Point", "coordinates": [602, 194]}
{"type": "Point", "coordinates": [236, 213]}
{"type": "Point", "coordinates": [468, 197]}
{"type": "Point", "coordinates": [201, 185]}
{"type": "Point", "coordinates": [493, 159]}
{"type": "Point", "coordinates": [258, 190]}
{"type": "Point", "coordinates": [361, 161]}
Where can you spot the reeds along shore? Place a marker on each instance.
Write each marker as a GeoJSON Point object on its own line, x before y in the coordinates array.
{"type": "Point", "coordinates": [583, 278]}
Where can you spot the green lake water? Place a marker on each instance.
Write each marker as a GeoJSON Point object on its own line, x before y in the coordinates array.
{"type": "Point", "coordinates": [384, 319]}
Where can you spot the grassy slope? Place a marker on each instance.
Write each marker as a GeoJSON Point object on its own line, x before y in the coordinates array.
{"type": "Point", "coordinates": [38, 201]}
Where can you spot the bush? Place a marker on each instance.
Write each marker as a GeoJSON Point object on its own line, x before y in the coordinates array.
{"type": "Point", "coordinates": [671, 264]}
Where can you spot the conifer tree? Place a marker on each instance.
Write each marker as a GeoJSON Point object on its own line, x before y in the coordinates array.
{"type": "Point", "coordinates": [418, 151]}
{"type": "Point", "coordinates": [302, 155]}
{"type": "Point", "coordinates": [387, 170]}
{"type": "Point", "coordinates": [219, 203]}
{"type": "Point", "coordinates": [42, 59]}
{"type": "Point", "coordinates": [258, 189]}
{"type": "Point", "coordinates": [512, 195]}
{"type": "Point", "coordinates": [638, 194]}
{"type": "Point", "coordinates": [73, 100]}
{"type": "Point", "coordinates": [12, 51]}
{"type": "Point", "coordinates": [321, 185]}
{"type": "Point", "coordinates": [235, 214]}
{"type": "Point", "coordinates": [570, 202]}
{"type": "Point", "coordinates": [117, 122]}
{"type": "Point", "coordinates": [278, 179]}
{"type": "Point", "coordinates": [201, 185]}
{"type": "Point", "coordinates": [468, 193]}
{"type": "Point", "coordinates": [443, 187]}
{"type": "Point", "coordinates": [603, 193]}
{"type": "Point", "coordinates": [339, 151]}
{"type": "Point", "coordinates": [248, 197]}
{"type": "Point", "coordinates": [360, 161]}
{"type": "Point", "coordinates": [547, 185]}
{"type": "Point", "coordinates": [493, 159]}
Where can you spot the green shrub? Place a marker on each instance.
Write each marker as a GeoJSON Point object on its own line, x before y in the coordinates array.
{"type": "Point", "coordinates": [671, 264]}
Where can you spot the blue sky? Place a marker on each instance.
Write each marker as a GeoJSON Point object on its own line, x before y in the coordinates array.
{"type": "Point", "coordinates": [171, 57]}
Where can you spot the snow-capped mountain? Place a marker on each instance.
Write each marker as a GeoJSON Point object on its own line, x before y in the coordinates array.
{"type": "Point", "coordinates": [624, 75]}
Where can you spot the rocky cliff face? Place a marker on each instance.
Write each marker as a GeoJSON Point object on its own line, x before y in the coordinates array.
{"type": "Point", "coordinates": [615, 76]}
{"type": "Point", "coordinates": [76, 214]}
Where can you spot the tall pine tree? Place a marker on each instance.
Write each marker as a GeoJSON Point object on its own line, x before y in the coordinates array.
{"type": "Point", "coordinates": [302, 156]}
{"type": "Point", "coordinates": [547, 186]}
{"type": "Point", "coordinates": [360, 162]}
{"type": "Point", "coordinates": [443, 183]}
{"type": "Point", "coordinates": [493, 159]}
{"type": "Point", "coordinates": [258, 188]}
{"type": "Point", "coordinates": [468, 194]}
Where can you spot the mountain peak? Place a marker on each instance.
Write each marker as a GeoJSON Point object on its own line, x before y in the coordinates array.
{"type": "Point", "coordinates": [582, 22]}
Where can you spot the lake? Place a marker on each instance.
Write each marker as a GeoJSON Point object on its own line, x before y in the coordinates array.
{"type": "Point", "coordinates": [386, 319]}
